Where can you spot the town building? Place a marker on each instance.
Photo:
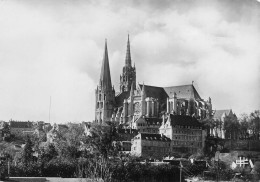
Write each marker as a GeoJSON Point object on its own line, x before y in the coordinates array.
{"type": "Point", "coordinates": [186, 133]}
{"type": "Point", "coordinates": [220, 117]}
{"type": "Point", "coordinates": [149, 145]}
{"type": "Point", "coordinates": [125, 135]}
{"type": "Point", "coordinates": [21, 128]}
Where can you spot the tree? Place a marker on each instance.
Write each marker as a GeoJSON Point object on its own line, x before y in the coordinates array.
{"type": "Point", "coordinates": [27, 152]}
{"type": "Point", "coordinates": [101, 140]}
{"type": "Point", "coordinates": [231, 126]}
{"type": "Point", "coordinates": [100, 146]}
{"type": "Point", "coordinates": [209, 124]}
{"type": "Point", "coordinates": [5, 128]}
{"type": "Point", "coordinates": [255, 123]}
{"type": "Point", "coordinates": [48, 153]}
{"type": "Point", "coordinates": [244, 126]}
{"type": "Point", "coordinates": [221, 171]}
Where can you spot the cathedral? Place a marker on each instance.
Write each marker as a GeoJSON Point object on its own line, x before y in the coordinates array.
{"type": "Point", "coordinates": [143, 107]}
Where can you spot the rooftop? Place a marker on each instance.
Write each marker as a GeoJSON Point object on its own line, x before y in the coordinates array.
{"type": "Point", "coordinates": [183, 120]}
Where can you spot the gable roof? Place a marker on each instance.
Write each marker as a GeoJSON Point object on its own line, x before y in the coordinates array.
{"type": "Point", "coordinates": [155, 92]}
{"type": "Point", "coordinates": [153, 121]}
{"type": "Point", "coordinates": [62, 127]}
{"type": "Point", "coordinates": [184, 120]}
{"type": "Point", "coordinates": [21, 124]}
{"type": "Point", "coordinates": [182, 91]}
{"type": "Point", "coordinates": [219, 113]}
{"type": "Point", "coordinates": [120, 98]}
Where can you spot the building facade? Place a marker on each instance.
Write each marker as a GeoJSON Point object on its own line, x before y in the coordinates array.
{"type": "Point", "coordinates": [185, 132]}
{"type": "Point", "coordinates": [149, 145]}
{"type": "Point", "coordinates": [21, 128]}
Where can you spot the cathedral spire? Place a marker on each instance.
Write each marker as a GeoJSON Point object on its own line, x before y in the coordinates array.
{"type": "Point", "coordinates": [128, 54]}
{"type": "Point", "coordinates": [105, 78]}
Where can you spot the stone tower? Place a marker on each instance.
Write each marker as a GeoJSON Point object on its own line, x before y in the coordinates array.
{"type": "Point", "coordinates": [105, 93]}
{"type": "Point", "coordinates": [129, 73]}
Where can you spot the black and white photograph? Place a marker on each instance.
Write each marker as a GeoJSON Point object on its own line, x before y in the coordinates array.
{"type": "Point", "coordinates": [129, 91]}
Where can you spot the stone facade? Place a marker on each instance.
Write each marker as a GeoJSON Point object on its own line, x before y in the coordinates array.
{"type": "Point", "coordinates": [185, 132]}
{"type": "Point", "coordinates": [150, 145]}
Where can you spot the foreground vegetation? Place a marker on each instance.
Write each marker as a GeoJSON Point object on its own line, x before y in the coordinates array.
{"type": "Point", "coordinates": [96, 155]}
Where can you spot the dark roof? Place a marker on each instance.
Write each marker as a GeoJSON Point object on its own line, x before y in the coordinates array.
{"type": "Point", "coordinates": [126, 134]}
{"type": "Point", "coordinates": [155, 92]}
{"type": "Point", "coordinates": [184, 120]}
{"type": "Point", "coordinates": [152, 121]}
{"type": "Point", "coordinates": [218, 113]}
{"type": "Point", "coordinates": [62, 126]}
{"type": "Point", "coordinates": [152, 136]}
{"type": "Point", "coordinates": [183, 91]}
{"type": "Point", "coordinates": [120, 98]}
{"type": "Point", "coordinates": [21, 124]}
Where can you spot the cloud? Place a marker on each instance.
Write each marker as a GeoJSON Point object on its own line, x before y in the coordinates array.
{"type": "Point", "coordinates": [55, 49]}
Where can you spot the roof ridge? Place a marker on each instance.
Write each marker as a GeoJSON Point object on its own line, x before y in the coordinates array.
{"type": "Point", "coordinates": [179, 86]}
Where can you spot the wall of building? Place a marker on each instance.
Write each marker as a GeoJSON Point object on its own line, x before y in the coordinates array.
{"type": "Point", "coordinates": [21, 131]}
{"type": "Point", "coordinates": [136, 148]}
{"type": "Point", "coordinates": [184, 138]}
{"type": "Point", "coordinates": [247, 145]}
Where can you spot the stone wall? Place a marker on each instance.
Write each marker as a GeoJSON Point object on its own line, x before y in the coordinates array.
{"type": "Point", "coordinates": [247, 145]}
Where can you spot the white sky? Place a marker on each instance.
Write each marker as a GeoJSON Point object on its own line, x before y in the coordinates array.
{"type": "Point", "coordinates": [55, 48]}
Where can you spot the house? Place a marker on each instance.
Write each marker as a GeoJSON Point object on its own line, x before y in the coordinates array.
{"type": "Point", "coordinates": [185, 132]}
{"type": "Point", "coordinates": [125, 136]}
{"type": "Point", "coordinates": [21, 128]}
{"type": "Point", "coordinates": [150, 145]}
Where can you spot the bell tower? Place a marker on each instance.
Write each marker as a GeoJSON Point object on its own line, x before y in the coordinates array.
{"type": "Point", "coordinates": [129, 73]}
{"type": "Point", "coordinates": [105, 93]}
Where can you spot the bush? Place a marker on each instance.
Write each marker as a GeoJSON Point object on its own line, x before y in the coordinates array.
{"type": "Point", "coordinates": [144, 172]}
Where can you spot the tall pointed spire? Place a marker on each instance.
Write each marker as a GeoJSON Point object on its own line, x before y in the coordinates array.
{"type": "Point", "coordinates": [128, 54]}
{"type": "Point", "coordinates": [105, 78]}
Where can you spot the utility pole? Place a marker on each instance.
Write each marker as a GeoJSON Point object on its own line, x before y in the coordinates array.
{"type": "Point", "coordinates": [8, 168]}
{"type": "Point", "coordinates": [180, 173]}
{"type": "Point", "coordinates": [181, 166]}
{"type": "Point", "coordinates": [50, 111]}
{"type": "Point", "coordinates": [217, 159]}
